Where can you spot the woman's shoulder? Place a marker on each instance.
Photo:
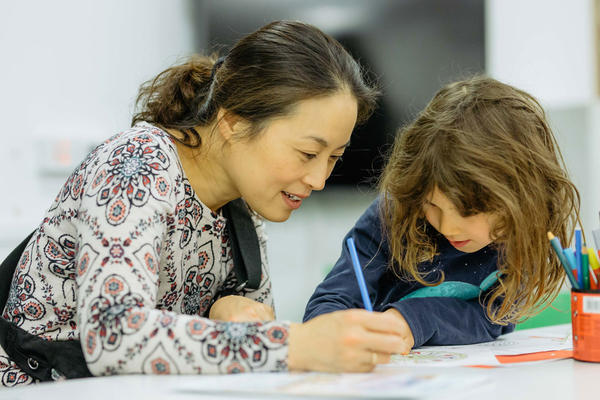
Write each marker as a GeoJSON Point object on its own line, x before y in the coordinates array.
{"type": "Point", "coordinates": [141, 134]}
{"type": "Point", "coordinates": [128, 168]}
{"type": "Point", "coordinates": [143, 147]}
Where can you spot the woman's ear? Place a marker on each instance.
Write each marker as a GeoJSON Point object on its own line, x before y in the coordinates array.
{"type": "Point", "coordinates": [229, 125]}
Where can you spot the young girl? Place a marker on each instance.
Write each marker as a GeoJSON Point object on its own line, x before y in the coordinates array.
{"type": "Point", "coordinates": [455, 247]}
{"type": "Point", "coordinates": [135, 254]}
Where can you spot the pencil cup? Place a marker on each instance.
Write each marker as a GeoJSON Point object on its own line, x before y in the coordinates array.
{"type": "Point", "coordinates": [585, 313]}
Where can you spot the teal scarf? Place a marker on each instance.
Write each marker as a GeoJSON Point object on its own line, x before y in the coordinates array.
{"type": "Point", "coordinates": [456, 289]}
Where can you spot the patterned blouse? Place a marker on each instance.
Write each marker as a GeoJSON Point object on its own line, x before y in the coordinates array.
{"type": "Point", "coordinates": [129, 260]}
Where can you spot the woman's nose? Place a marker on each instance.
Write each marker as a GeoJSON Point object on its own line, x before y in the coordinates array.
{"type": "Point", "coordinates": [317, 176]}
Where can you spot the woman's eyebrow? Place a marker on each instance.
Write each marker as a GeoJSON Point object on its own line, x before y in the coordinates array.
{"type": "Point", "coordinates": [323, 143]}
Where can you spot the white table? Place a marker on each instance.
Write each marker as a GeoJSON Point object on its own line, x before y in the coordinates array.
{"type": "Point", "coordinates": [562, 379]}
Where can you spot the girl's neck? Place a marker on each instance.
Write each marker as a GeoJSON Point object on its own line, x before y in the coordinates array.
{"type": "Point", "coordinates": [206, 170]}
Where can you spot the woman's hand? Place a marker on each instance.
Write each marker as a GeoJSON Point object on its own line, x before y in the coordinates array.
{"type": "Point", "coordinates": [408, 336]}
{"type": "Point", "coordinates": [240, 309]}
{"type": "Point", "coordinates": [348, 341]}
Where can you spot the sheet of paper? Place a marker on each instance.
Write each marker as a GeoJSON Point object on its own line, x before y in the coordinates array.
{"type": "Point", "coordinates": [553, 338]}
{"type": "Point", "coordinates": [390, 384]}
{"type": "Point", "coordinates": [524, 344]}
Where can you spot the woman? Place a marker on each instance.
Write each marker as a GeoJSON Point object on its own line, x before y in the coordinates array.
{"type": "Point", "coordinates": [136, 252]}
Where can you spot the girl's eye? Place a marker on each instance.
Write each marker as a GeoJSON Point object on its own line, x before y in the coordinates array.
{"type": "Point", "coordinates": [427, 203]}
{"type": "Point", "coordinates": [336, 158]}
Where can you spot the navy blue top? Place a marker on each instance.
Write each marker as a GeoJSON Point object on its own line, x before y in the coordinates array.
{"type": "Point", "coordinates": [450, 313]}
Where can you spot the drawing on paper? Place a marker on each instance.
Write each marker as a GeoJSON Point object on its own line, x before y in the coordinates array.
{"type": "Point", "coordinates": [428, 356]}
{"type": "Point", "coordinates": [498, 343]}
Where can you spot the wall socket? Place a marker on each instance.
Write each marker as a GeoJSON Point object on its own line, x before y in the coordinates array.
{"type": "Point", "coordinates": [57, 158]}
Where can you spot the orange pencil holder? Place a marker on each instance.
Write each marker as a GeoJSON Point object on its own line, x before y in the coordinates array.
{"type": "Point", "coordinates": [585, 319]}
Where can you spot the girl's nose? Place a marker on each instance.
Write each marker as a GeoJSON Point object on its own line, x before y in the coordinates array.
{"type": "Point", "coordinates": [449, 225]}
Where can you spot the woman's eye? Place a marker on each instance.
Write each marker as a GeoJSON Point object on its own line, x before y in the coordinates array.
{"type": "Point", "coordinates": [308, 156]}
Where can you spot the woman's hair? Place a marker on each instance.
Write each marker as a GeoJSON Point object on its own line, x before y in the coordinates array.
{"type": "Point", "coordinates": [488, 147]}
{"type": "Point", "coordinates": [263, 76]}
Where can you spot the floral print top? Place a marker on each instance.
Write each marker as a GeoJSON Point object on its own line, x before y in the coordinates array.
{"type": "Point", "coordinates": [129, 261]}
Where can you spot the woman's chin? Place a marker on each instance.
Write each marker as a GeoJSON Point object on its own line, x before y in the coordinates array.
{"type": "Point", "coordinates": [273, 214]}
{"type": "Point", "coordinates": [279, 217]}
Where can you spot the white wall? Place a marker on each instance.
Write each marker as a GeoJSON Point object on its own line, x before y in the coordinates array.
{"type": "Point", "coordinates": [70, 71]}
{"type": "Point", "coordinates": [547, 47]}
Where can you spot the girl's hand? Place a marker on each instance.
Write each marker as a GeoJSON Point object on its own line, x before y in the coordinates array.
{"type": "Point", "coordinates": [240, 309]}
{"type": "Point", "coordinates": [347, 341]}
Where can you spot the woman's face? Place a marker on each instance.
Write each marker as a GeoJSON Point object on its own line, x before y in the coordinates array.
{"type": "Point", "coordinates": [293, 155]}
{"type": "Point", "coordinates": [467, 234]}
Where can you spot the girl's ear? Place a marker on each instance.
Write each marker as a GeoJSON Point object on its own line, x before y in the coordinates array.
{"type": "Point", "coordinates": [229, 124]}
{"type": "Point", "coordinates": [496, 229]}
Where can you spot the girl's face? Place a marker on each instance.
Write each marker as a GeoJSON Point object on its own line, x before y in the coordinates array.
{"type": "Point", "coordinates": [467, 234]}
{"type": "Point", "coordinates": [293, 155]}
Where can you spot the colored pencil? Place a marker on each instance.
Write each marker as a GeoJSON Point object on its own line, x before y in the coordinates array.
{"type": "Point", "coordinates": [578, 240]}
{"type": "Point", "coordinates": [359, 274]}
{"type": "Point", "coordinates": [570, 256]}
{"type": "Point", "coordinates": [585, 269]}
{"type": "Point", "coordinates": [555, 243]}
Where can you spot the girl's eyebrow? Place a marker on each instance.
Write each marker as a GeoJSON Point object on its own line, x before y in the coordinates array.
{"type": "Point", "coordinates": [323, 143]}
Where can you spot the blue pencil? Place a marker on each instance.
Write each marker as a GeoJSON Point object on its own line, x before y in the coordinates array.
{"type": "Point", "coordinates": [578, 257]}
{"type": "Point", "coordinates": [570, 256]}
{"type": "Point", "coordinates": [359, 275]}
{"type": "Point", "coordinates": [555, 243]}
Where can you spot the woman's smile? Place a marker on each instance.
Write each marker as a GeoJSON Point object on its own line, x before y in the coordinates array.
{"type": "Point", "coordinates": [293, 201]}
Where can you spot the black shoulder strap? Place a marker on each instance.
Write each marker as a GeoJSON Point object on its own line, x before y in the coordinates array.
{"type": "Point", "coordinates": [7, 270]}
{"type": "Point", "coordinates": [43, 359]}
{"type": "Point", "coordinates": [244, 244]}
